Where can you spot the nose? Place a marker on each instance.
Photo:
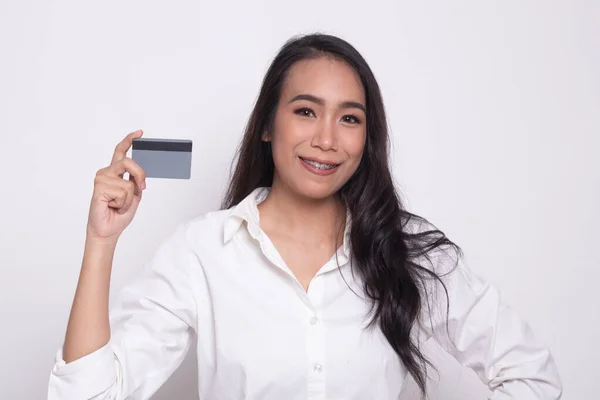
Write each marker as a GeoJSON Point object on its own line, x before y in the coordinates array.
{"type": "Point", "coordinates": [325, 136]}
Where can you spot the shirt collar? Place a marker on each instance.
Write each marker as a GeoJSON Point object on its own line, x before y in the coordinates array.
{"type": "Point", "coordinates": [247, 211]}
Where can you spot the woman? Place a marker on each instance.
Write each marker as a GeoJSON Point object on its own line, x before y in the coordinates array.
{"type": "Point", "coordinates": [312, 283]}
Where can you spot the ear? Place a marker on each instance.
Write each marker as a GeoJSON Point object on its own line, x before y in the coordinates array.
{"type": "Point", "coordinates": [266, 137]}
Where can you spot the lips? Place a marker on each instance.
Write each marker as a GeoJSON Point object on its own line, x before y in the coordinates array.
{"type": "Point", "coordinates": [318, 166]}
{"type": "Point", "coordinates": [319, 163]}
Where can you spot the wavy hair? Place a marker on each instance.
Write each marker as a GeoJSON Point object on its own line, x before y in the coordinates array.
{"type": "Point", "coordinates": [388, 256]}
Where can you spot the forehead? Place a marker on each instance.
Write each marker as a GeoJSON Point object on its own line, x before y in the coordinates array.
{"type": "Point", "coordinates": [325, 77]}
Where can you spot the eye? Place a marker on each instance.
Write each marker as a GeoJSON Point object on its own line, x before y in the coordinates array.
{"type": "Point", "coordinates": [305, 112]}
{"type": "Point", "coordinates": [350, 119]}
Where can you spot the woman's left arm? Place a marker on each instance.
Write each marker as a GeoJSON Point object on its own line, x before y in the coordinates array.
{"type": "Point", "coordinates": [487, 336]}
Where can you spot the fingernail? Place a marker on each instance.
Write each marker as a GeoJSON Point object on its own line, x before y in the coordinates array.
{"type": "Point", "coordinates": [143, 185]}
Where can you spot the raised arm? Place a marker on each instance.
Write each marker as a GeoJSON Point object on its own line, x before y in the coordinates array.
{"type": "Point", "coordinates": [130, 352]}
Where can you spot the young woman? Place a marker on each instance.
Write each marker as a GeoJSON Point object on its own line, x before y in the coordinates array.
{"type": "Point", "coordinates": [313, 282]}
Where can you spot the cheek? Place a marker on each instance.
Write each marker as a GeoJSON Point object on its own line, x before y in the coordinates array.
{"type": "Point", "coordinates": [292, 131]}
{"type": "Point", "coordinates": [288, 133]}
{"type": "Point", "coordinates": [355, 144]}
{"type": "Point", "coordinates": [281, 146]}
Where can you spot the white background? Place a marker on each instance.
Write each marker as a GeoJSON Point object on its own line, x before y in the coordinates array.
{"type": "Point", "coordinates": [494, 108]}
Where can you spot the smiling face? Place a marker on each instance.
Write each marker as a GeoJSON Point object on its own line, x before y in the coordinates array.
{"type": "Point", "coordinates": [319, 130]}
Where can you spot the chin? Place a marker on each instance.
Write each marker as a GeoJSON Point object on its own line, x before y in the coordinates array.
{"type": "Point", "coordinates": [315, 190]}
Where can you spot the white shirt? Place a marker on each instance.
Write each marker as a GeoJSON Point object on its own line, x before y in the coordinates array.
{"type": "Point", "coordinates": [261, 336]}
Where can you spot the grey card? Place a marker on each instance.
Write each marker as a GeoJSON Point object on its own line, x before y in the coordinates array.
{"type": "Point", "coordinates": [163, 158]}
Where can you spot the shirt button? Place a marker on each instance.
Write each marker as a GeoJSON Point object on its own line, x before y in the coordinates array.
{"type": "Point", "coordinates": [313, 321]}
{"type": "Point", "coordinates": [318, 368]}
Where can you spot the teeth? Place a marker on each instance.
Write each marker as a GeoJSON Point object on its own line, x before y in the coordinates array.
{"type": "Point", "coordinates": [319, 165]}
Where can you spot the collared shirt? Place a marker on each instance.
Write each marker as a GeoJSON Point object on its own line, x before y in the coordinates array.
{"type": "Point", "coordinates": [261, 336]}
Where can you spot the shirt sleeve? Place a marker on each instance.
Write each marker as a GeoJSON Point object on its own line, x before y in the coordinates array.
{"type": "Point", "coordinates": [152, 325]}
{"type": "Point", "coordinates": [487, 336]}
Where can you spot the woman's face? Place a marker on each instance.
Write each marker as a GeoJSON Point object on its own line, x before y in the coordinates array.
{"type": "Point", "coordinates": [319, 130]}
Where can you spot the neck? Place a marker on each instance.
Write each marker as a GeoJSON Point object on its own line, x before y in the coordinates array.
{"type": "Point", "coordinates": [303, 218]}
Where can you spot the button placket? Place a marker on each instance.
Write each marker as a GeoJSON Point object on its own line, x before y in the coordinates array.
{"type": "Point", "coordinates": [315, 342]}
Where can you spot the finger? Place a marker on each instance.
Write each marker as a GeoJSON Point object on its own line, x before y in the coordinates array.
{"type": "Point", "coordinates": [128, 165]}
{"type": "Point", "coordinates": [139, 186]}
{"type": "Point", "coordinates": [123, 146]}
{"type": "Point", "coordinates": [116, 196]}
{"type": "Point", "coordinates": [122, 183]}
{"type": "Point", "coordinates": [136, 173]}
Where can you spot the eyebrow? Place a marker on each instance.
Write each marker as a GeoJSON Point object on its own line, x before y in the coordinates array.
{"type": "Point", "coordinates": [320, 101]}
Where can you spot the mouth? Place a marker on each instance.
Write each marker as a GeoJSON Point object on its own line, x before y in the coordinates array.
{"type": "Point", "coordinates": [319, 164]}
{"type": "Point", "coordinates": [319, 167]}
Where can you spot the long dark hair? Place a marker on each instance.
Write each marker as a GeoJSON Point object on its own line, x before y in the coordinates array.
{"type": "Point", "coordinates": [388, 256]}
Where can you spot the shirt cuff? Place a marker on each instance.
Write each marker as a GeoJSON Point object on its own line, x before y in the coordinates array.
{"type": "Point", "coordinates": [89, 375]}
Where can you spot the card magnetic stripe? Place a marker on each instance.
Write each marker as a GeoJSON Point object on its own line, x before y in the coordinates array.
{"type": "Point", "coordinates": [153, 145]}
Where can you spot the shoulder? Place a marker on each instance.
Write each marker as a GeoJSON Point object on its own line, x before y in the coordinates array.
{"type": "Point", "coordinates": [205, 229]}
{"type": "Point", "coordinates": [193, 234]}
{"type": "Point", "coordinates": [193, 241]}
{"type": "Point", "coordinates": [428, 246]}
{"type": "Point", "coordinates": [413, 224]}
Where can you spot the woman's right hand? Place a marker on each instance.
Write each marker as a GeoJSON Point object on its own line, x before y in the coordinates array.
{"type": "Point", "coordinates": [115, 199]}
